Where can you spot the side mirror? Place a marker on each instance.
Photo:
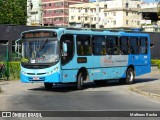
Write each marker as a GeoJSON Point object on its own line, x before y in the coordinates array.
{"type": "Point", "coordinates": [65, 47]}
{"type": "Point", "coordinates": [17, 47]}
{"type": "Point", "coordinates": [151, 45]}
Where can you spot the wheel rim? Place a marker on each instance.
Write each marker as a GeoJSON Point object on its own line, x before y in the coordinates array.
{"type": "Point", "coordinates": [130, 75]}
{"type": "Point", "coordinates": [80, 81]}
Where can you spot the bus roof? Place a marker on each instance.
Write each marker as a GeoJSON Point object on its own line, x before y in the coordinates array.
{"type": "Point", "coordinates": [92, 32]}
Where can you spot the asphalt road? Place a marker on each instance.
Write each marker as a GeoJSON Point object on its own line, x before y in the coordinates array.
{"type": "Point", "coordinates": [113, 97]}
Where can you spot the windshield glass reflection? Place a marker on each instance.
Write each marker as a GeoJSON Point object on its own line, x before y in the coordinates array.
{"type": "Point", "coordinates": [46, 51]}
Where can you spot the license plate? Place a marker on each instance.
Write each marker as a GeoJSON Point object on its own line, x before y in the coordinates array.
{"type": "Point", "coordinates": [35, 78]}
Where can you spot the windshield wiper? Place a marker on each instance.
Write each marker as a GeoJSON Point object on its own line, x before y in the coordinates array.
{"type": "Point", "coordinates": [43, 45]}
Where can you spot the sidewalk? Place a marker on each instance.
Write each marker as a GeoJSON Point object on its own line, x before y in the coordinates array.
{"type": "Point", "coordinates": [149, 89]}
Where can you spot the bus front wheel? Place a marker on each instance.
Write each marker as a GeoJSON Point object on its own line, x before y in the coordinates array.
{"type": "Point", "coordinates": [130, 75]}
{"type": "Point", "coordinates": [48, 86]}
{"type": "Point", "coordinates": [79, 84]}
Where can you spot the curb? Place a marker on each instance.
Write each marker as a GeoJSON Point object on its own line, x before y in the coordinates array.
{"type": "Point", "coordinates": [138, 91]}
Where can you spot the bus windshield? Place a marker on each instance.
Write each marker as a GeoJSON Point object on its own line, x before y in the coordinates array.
{"type": "Point", "coordinates": [46, 51]}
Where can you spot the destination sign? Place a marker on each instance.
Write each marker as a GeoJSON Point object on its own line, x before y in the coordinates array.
{"type": "Point", "coordinates": [39, 34]}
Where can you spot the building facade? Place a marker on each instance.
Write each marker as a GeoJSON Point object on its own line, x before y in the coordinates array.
{"type": "Point", "coordinates": [56, 12]}
{"type": "Point", "coordinates": [34, 13]}
{"type": "Point", "coordinates": [111, 14]}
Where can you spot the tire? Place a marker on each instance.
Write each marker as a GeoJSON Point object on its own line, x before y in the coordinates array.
{"type": "Point", "coordinates": [130, 75]}
{"type": "Point", "coordinates": [79, 84]}
{"type": "Point", "coordinates": [48, 86]}
{"type": "Point", "coordinates": [100, 82]}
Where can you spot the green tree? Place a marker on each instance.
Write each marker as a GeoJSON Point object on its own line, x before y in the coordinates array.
{"type": "Point", "coordinates": [13, 12]}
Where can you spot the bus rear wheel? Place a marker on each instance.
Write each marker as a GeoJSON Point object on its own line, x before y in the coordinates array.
{"type": "Point", "coordinates": [130, 75]}
{"type": "Point", "coordinates": [48, 86]}
{"type": "Point", "coordinates": [79, 84]}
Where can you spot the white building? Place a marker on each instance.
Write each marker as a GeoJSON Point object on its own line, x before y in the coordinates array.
{"type": "Point", "coordinates": [34, 14]}
{"type": "Point", "coordinates": [112, 14]}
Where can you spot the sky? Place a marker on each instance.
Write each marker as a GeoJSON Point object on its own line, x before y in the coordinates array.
{"type": "Point", "coordinates": [143, 0]}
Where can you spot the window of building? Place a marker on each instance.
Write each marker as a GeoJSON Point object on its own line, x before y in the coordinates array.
{"type": "Point", "coordinates": [84, 45]}
{"type": "Point", "coordinates": [105, 6]}
{"type": "Point", "coordinates": [66, 11]}
{"type": "Point", "coordinates": [91, 18]}
{"type": "Point", "coordinates": [66, 19]}
{"type": "Point", "coordinates": [114, 13]}
{"type": "Point", "coordinates": [49, 4]}
{"type": "Point", "coordinates": [86, 10]}
{"type": "Point", "coordinates": [124, 46]}
{"type": "Point", "coordinates": [66, 4]}
{"type": "Point", "coordinates": [99, 45]}
{"type": "Point", "coordinates": [112, 46]}
{"type": "Point", "coordinates": [143, 45]}
{"type": "Point", "coordinates": [72, 17]}
{"type": "Point", "coordinates": [127, 5]}
{"type": "Point", "coordinates": [79, 18]}
{"type": "Point", "coordinates": [126, 13]}
{"type": "Point", "coordinates": [126, 22]}
{"type": "Point", "coordinates": [58, 4]}
{"type": "Point", "coordinates": [86, 18]}
{"type": "Point", "coordinates": [134, 48]}
{"type": "Point", "coordinates": [58, 19]}
{"type": "Point", "coordinates": [138, 23]}
{"type": "Point", "coordinates": [114, 22]}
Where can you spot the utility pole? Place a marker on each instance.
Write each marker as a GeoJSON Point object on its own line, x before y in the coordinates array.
{"type": "Point", "coordinates": [97, 14]}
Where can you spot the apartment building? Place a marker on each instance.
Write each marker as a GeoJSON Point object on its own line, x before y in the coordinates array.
{"type": "Point", "coordinates": [111, 14]}
{"type": "Point", "coordinates": [55, 12]}
{"type": "Point", "coordinates": [34, 13]}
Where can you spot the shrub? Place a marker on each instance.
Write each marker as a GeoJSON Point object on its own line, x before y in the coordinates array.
{"type": "Point", "coordinates": [14, 70]}
{"type": "Point", "coordinates": [156, 62]}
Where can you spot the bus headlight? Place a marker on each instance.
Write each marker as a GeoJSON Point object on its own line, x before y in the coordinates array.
{"type": "Point", "coordinates": [56, 69]}
{"type": "Point", "coordinates": [24, 73]}
{"type": "Point", "coordinates": [51, 72]}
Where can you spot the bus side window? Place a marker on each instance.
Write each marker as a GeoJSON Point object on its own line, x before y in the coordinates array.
{"type": "Point", "coordinates": [99, 45]}
{"type": "Point", "coordinates": [83, 45]}
{"type": "Point", "coordinates": [143, 45]}
{"type": "Point", "coordinates": [124, 47]}
{"type": "Point", "coordinates": [68, 39]}
{"type": "Point", "coordinates": [112, 46]}
{"type": "Point", "coordinates": [134, 48]}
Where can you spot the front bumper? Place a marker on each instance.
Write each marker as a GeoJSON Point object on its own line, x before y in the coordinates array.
{"type": "Point", "coordinates": [53, 78]}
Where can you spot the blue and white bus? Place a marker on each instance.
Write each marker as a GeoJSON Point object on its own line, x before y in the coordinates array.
{"type": "Point", "coordinates": [57, 56]}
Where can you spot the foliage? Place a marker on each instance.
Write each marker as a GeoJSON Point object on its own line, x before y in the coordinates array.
{"type": "Point", "coordinates": [14, 70]}
{"type": "Point", "coordinates": [13, 12]}
{"type": "Point", "coordinates": [155, 62]}
{"type": "Point", "coordinates": [24, 60]}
